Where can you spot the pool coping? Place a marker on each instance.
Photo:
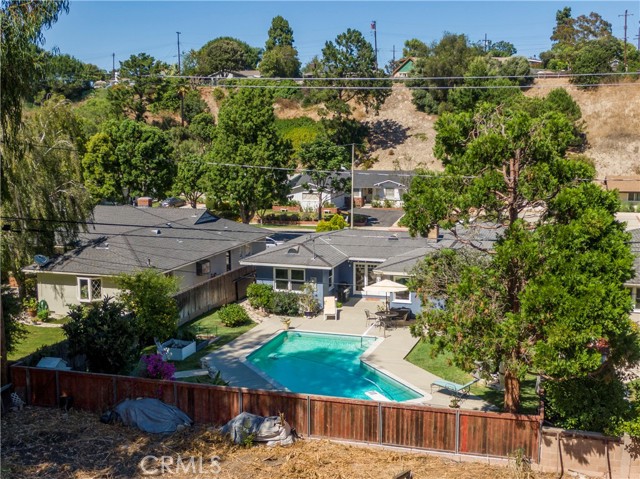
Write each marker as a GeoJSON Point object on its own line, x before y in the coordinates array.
{"type": "Point", "coordinates": [363, 358]}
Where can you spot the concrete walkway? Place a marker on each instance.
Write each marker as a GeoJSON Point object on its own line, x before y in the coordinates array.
{"type": "Point", "coordinates": [387, 357]}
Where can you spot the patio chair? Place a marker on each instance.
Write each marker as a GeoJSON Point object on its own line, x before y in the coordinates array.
{"type": "Point", "coordinates": [460, 390]}
{"type": "Point", "coordinates": [330, 308]}
{"type": "Point", "coordinates": [371, 319]}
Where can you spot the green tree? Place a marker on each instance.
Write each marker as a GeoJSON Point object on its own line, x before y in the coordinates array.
{"type": "Point", "coordinates": [597, 56]}
{"type": "Point", "coordinates": [280, 34]}
{"type": "Point", "coordinates": [224, 54]}
{"type": "Point", "coordinates": [142, 71]}
{"type": "Point", "coordinates": [500, 162]}
{"type": "Point", "coordinates": [351, 55]}
{"type": "Point", "coordinates": [501, 49]}
{"type": "Point", "coordinates": [44, 202]}
{"type": "Point", "coordinates": [105, 334]}
{"type": "Point", "coordinates": [322, 159]}
{"type": "Point", "coordinates": [246, 135]}
{"type": "Point", "coordinates": [148, 295]}
{"type": "Point", "coordinates": [280, 62]}
{"type": "Point", "coordinates": [127, 159]}
{"type": "Point", "coordinates": [415, 48]}
{"type": "Point", "coordinates": [447, 62]}
{"type": "Point", "coordinates": [21, 62]}
{"type": "Point", "coordinates": [68, 76]}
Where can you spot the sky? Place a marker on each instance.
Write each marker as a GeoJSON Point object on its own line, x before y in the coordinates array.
{"type": "Point", "coordinates": [93, 30]}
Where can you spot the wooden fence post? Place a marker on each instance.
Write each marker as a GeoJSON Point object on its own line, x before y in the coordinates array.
{"type": "Point", "coordinates": [308, 416]}
{"type": "Point", "coordinates": [457, 431]}
{"type": "Point", "coordinates": [379, 423]}
{"type": "Point", "coordinates": [28, 381]}
{"type": "Point", "coordinates": [57, 402]}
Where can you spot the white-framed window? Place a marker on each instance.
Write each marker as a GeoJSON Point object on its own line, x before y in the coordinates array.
{"type": "Point", "coordinates": [633, 196]}
{"type": "Point", "coordinates": [89, 289]}
{"type": "Point", "coordinates": [389, 193]}
{"type": "Point", "coordinates": [285, 279]}
{"type": "Point", "coordinates": [331, 279]}
{"type": "Point", "coordinates": [404, 296]}
{"type": "Point", "coordinates": [635, 296]}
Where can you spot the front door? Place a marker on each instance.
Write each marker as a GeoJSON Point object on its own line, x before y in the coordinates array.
{"type": "Point", "coordinates": [363, 275]}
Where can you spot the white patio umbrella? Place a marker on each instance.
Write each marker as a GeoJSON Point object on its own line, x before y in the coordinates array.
{"type": "Point", "coordinates": [385, 286]}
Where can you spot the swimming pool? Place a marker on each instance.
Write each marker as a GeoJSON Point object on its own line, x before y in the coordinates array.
{"type": "Point", "coordinates": [326, 364]}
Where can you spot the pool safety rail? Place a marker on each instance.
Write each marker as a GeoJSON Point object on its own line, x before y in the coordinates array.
{"type": "Point", "coordinates": [385, 423]}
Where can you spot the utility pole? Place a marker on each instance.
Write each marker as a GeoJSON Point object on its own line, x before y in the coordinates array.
{"type": "Point", "coordinates": [375, 40]}
{"type": "Point", "coordinates": [486, 42]}
{"type": "Point", "coordinates": [638, 35]}
{"type": "Point", "coordinates": [626, 14]}
{"type": "Point", "coordinates": [181, 93]}
{"type": "Point", "coordinates": [113, 67]}
{"type": "Point", "coordinates": [393, 60]}
{"type": "Point", "coordinates": [353, 155]}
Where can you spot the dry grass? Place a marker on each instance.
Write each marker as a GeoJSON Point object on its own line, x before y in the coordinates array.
{"type": "Point", "coordinates": [47, 443]}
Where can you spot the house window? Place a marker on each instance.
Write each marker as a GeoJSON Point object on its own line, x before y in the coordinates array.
{"type": "Point", "coordinates": [331, 279]}
{"type": "Point", "coordinates": [288, 279]}
{"type": "Point", "coordinates": [389, 192]}
{"type": "Point", "coordinates": [89, 289]}
{"type": "Point", "coordinates": [203, 268]}
{"type": "Point", "coordinates": [228, 256]}
{"type": "Point", "coordinates": [404, 296]}
{"type": "Point", "coordinates": [634, 196]}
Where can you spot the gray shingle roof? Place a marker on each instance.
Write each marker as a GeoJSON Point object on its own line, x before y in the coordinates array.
{"type": "Point", "coordinates": [122, 239]}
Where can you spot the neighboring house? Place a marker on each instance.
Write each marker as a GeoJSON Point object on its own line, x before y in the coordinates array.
{"type": "Point", "coordinates": [304, 191]}
{"type": "Point", "coordinates": [404, 67]}
{"type": "Point", "coordinates": [380, 186]}
{"type": "Point", "coordinates": [192, 245]}
{"type": "Point", "coordinates": [230, 74]}
{"type": "Point", "coordinates": [634, 283]}
{"type": "Point", "coordinates": [628, 187]}
{"type": "Point", "coordinates": [343, 262]}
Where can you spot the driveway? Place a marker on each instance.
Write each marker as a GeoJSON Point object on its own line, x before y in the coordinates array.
{"type": "Point", "coordinates": [380, 217]}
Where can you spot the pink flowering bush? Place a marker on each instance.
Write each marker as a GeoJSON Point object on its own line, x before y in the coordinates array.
{"type": "Point", "coordinates": [157, 368]}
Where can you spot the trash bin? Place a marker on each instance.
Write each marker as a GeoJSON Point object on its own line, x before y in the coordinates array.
{"type": "Point", "coordinates": [343, 292]}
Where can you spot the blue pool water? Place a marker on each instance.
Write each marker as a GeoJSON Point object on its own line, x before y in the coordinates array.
{"type": "Point", "coordinates": [326, 364]}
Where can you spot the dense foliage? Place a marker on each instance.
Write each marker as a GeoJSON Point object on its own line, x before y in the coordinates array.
{"type": "Point", "coordinates": [233, 315]}
{"type": "Point", "coordinates": [105, 334]}
{"type": "Point", "coordinates": [148, 295]}
{"type": "Point", "coordinates": [260, 295]}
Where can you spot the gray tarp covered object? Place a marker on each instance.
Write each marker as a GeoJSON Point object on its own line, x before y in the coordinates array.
{"type": "Point", "coordinates": [151, 415]}
{"type": "Point", "coordinates": [273, 429]}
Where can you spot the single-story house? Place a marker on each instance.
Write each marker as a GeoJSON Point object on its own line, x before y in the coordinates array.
{"type": "Point", "coordinates": [305, 192]}
{"type": "Point", "coordinates": [380, 186]}
{"type": "Point", "coordinates": [192, 245]}
{"type": "Point", "coordinates": [341, 263]}
{"type": "Point", "coordinates": [404, 68]}
{"type": "Point", "coordinates": [628, 187]}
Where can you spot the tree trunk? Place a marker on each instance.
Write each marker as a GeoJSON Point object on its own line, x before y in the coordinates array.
{"type": "Point", "coordinates": [511, 392]}
{"type": "Point", "coordinates": [319, 206]}
{"type": "Point", "coordinates": [4, 377]}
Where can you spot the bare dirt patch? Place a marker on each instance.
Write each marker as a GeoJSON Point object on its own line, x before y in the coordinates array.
{"type": "Point", "coordinates": [48, 443]}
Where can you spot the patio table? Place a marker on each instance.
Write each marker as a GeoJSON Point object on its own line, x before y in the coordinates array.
{"type": "Point", "coordinates": [387, 314]}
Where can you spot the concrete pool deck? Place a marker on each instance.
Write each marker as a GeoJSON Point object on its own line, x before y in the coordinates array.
{"type": "Point", "coordinates": [387, 357]}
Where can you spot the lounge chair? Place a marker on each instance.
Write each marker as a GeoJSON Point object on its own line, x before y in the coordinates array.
{"type": "Point", "coordinates": [370, 318]}
{"type": "Point", "coordinates": [330, 308]}
{"type": "Point", "coordinates": [460, 390]}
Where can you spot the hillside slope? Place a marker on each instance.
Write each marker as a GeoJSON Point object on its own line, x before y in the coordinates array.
{"type": "Point", "coordinates": [405, 136]}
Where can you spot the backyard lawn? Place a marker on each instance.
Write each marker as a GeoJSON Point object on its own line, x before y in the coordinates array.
{"type": "Point", "coordinates": [210, 324]}
{"type": "Point", "coordinates": [441, 366]}
{"type": "Point", "coordinates": [37, 336]}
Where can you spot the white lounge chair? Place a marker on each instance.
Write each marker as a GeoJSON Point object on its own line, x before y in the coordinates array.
{"type": "Point", "coordinates": [460, 390]}
{"type": "Point", "coordinates": [330, 308]}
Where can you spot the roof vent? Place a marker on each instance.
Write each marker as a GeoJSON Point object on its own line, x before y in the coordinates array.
{"type": "Point", "coordinates": [169, 225]}
{"type": "Point", "coordinates": [156, 232]}
{"type": "Point", "coordinates": [102, 246]}
{"type": "Point", "coordinates": [294, 250]}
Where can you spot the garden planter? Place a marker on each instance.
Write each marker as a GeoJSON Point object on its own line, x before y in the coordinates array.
{"type": "Point", "coordinates": [177, 350]}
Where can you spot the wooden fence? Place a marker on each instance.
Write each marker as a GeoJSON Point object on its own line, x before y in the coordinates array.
{"type": "Point", "coordinates": [393, 424]}
{"type": "Point", "coordinates": [218, 291]}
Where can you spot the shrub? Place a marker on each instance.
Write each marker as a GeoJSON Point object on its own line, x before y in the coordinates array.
{"type": "Point", "coordinates": [285, 303]}
{"type": "Point", "coordinates": [260, 295]}
{"type": "Point", "coordinates": [233, 315]}
{"type": "Point", "coordinates": [387, 204]}
{"type": "Point", "coordinates": [157, 368]}
{"type": "Point", "coordinates": [43, 315]}
{"type": "Point", "coordinates": [105, 334]}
